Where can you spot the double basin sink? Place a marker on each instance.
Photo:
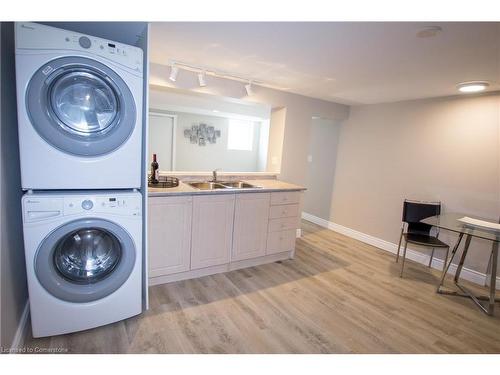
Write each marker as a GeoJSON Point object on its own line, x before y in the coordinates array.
{"type": "Point", "coordinates": [217, 185]}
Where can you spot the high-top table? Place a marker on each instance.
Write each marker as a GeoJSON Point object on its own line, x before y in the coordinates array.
{"type": "Point", "coordinates": [449, 221]}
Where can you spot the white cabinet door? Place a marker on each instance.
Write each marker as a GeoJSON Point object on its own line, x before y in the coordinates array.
{"type": "Point", "coordinates": [250, 226]}
{"type": "Point", "coordinates": [212, 230]}
{"type": "Point", "coordinates": [169, 231]}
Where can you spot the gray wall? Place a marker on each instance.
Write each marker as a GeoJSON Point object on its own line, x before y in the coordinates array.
{"type": "Point", "coordinates": [14, 293]}
{"type": "Point", "coordinates": [444, 149]}
{"type": "Point", "coordinates": [321, 167]}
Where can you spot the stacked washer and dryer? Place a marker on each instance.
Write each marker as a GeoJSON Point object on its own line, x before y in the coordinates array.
{"type": "Point", "coordinates": [80, 135]}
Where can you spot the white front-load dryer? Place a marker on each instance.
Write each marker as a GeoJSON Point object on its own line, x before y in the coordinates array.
{"type": "Point", "coordinates": [79, 102]}
{"type": "Point", "coordinates": [83, 259]}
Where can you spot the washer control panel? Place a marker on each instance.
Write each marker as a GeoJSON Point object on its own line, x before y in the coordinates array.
{"type": "Point", "coordinates": [84, 42]}
{"type": "Point", "coordinates": [116, 204]}
{"type": "Point", "coordinates": [45, 207]}
{"type": "Point", "coordinates": [87, 204]}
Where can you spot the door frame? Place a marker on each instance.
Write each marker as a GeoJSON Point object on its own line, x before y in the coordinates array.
{"type": "Point", "coordinates": [159, 113]}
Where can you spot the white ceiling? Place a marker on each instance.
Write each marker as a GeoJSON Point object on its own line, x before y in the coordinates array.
{"type": "Point", "coordinates": [349, 62]}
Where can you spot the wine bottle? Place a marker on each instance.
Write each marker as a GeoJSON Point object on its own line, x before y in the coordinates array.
{"type": "Point", "coordinates": [154, 171]}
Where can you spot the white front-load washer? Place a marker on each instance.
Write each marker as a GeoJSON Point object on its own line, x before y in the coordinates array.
{"type": "Point", "coordinates": [83, 259]}
{"type": "Point", "coordinates": [79, 101]}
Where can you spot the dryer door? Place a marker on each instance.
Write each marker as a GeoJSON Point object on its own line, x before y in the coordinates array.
{"type": "Point", "coordinates": [80, 106]}
{"type": "Point", "coordinates": [85, 260]}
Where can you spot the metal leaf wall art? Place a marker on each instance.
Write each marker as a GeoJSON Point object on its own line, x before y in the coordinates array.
{"type": "Point", "coordinates": [201, 134]}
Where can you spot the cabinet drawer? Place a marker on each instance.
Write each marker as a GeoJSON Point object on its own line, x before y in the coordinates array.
{"type": "Point", "coordinates": [287, 223]}
{"type": "Point", "coordinates": [278, 242]}
{"type": "Point", "coordinates": [286, 197]}
{"type": "Point", "coordinates": [286, 210]}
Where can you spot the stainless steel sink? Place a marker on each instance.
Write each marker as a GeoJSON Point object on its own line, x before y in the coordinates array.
{"type": "Point", "coordinates": [239, 185]}
{"type": "Point", "coordinates": [207, 185]}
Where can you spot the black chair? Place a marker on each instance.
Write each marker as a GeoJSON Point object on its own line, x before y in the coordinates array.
{"type": "Point", "coordinates": [418, 233]}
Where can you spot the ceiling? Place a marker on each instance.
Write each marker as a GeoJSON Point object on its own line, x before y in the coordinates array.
{"type": "Point", "coordinates": [345, 62]}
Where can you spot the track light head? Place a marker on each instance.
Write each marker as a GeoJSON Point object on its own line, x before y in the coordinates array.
{"type": "Point", "coordinates": [249, 88]}
{"type": "Point", "coordinates": [174, 71]}
{"type": "Point", "coordinates": [201, 79]}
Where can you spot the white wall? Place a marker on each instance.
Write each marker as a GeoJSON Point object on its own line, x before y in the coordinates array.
{"type": "Point", "coordinates": [444, 149]}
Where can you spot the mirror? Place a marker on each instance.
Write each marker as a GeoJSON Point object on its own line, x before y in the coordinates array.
{"type": "Point", "coordinates": [194, 133]}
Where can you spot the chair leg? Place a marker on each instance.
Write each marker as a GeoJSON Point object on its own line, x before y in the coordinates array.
{"type": "Point", "coordinates": [399, 245]}
{"type": "Point", "coordinates": [404, 257]}
{"type": "Point", "coordinates": [432, 256]}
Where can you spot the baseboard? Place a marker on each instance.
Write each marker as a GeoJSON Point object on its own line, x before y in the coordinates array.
{"type": "Point", "coordinates": [417, 256]}
{"type": "Point", "coordinates": [227, 267]}
{"type": "Point", "coordinates": [22, 330]}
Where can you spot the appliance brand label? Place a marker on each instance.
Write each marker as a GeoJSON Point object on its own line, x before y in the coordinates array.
{"type": "Point", "coordinates": [48, 69]}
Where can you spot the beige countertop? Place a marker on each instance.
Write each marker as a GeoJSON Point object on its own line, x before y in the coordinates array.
{"type": "Point", "coordinates": [265, 185]}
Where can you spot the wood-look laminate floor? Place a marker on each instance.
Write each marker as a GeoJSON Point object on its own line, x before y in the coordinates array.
{"type": "Point", "coordinates": [337, 296]}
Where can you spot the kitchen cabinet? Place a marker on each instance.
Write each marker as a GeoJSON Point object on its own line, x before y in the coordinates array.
{"type": "Point", "coordinates": [250, 226]}
{"type": "Point", "coordinates": [195, 235]}
{"type": "Point", "coordinates": [284, 219]}
{"type": "Point", "coordinates": [281, 241]}
{"type": "Point", "coordinates": [212, 230]}
{"type": "Point", "coordinates": [169, 234]}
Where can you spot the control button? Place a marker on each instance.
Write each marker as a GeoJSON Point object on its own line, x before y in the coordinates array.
{"type": "Point", "coordinates": [84, 42]}
{"type": "Point", "coordinates": [87, 204]}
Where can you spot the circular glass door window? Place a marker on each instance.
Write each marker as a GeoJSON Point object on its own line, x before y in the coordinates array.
{"type": "Point", "coordinates": [87, 256]}
{"type": "Point", "coordinates": [84, 103]}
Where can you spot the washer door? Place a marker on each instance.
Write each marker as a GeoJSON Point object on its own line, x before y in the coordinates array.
{"type": "Point", "coordinates": [80, 106]}
{"type": "Point", "coordinates": [85, 260]}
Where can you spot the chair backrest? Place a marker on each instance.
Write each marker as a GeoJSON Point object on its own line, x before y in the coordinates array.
{"type": "Point", "coordinates": [414, 211]}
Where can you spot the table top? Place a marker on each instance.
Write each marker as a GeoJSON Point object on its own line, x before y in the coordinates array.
{"type": "Point", "coordinates": [449, 221]}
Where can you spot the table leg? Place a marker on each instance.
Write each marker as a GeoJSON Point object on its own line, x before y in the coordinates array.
{"type": "Point", "coordinates": [447, 266]}
{"type": "Point", "coordinates": [462, 258]}
{"type": "Point", "coordinates": [488, 268]}
{"type": "Point", "coordinates": [493, 280]}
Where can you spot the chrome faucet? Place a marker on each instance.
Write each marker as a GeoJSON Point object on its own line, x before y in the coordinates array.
{"type": "Point", "coordinates": [214, 174]}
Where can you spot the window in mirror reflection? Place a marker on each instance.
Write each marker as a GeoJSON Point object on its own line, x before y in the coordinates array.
{"type": "Point", "coordinates": [240, 135]}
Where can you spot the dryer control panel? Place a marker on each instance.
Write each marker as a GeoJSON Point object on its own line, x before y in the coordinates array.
{"type": "Point", "coordinates": [34, 36]}
{"type": "Point", "coordinates": [38, 207]}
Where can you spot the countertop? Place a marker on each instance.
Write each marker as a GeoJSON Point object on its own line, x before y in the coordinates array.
{"type": "Point", "coordinates": [269, 185]}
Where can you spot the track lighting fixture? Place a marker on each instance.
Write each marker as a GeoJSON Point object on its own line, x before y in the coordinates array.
{"type": "Point", "coordinates": [201, 79]}
{"type": "Point", "coordinates": [203, 71]}
{"type": "Point", "coordinates": [249, 88]}
{"type": "Point", "coordinates": [174, 71]}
